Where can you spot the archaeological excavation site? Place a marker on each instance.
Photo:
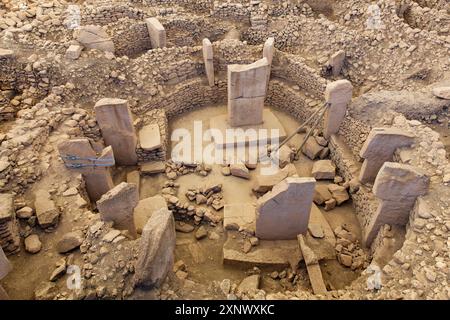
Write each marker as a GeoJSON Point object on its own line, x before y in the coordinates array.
{"type": "Point", "coordinates": [224, 150]}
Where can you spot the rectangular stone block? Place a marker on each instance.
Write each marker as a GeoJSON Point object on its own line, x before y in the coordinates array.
{"type": "Point", "coordinates": [150, 137]}
{"type": "Point", "coordinates": [283, 213]}
{"type": "Point", "coordinates": [117, 205]}
{"type": "Point", "coordinates": [339, 95]}
{"type": "Point", "coordinates": [116, 124]}
{"type": "Point", "coordinates": [247, 86]}
{"type": "Point", "coordinates": [208, 60]}
{"type": "Point", "coordinates": [46, 211]}
{"type": "Point", "coordinates": [156, 32]}
{"type": "Point", "coordinates": [145, 209]}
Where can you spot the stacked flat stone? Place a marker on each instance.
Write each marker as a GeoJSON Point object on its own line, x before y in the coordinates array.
{"type": "Point", "coordinates": [9, 234]}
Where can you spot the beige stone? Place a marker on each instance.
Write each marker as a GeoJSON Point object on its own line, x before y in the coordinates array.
{"type": "Point", "coordinates": [338, 94]}
{"type": "Point", "coordinates": [156, 250]}
{"type": "Point", "coordinates": [379, 148]}
{"type": "Point", "coordinates": [208, 60]}
{"type": "Point", "coordinates": [442, 92]}
{"type": "Point", "coordinates": [150, 137]}
{"type": "Point", "coordinates": [74, 52]}
{"type": "Point", "coordinates": [247, 86]}
{"type": "Point", "coordinates": [6, 206]}
{"type": "Point", "coordinates": [339, 193]}
{"type": "Point", "coordinates": [397, 186]}
{"type": "Point", "coordinates": [268, 49]}
{"type": "Point", "coordinates": [94, 37]}
{"type": "Point", "coordinates": [145, 208]}
{"type": "Point", "coordinates": [116, 124]}
{"type": "Point", "coordinates": [322, 194]}
{"type": "Point", "coordinates": [323, 170]}
{"type": "Point", "coordinates": [156, 32]}
{"type": "Point", "coordinates": [239, 170]}
{"type": "Point", "coordinates": [46, 211]}
{"type": "Point", "coordinates": [312, 149]}
{"type": "Point", "coordinates": [283, 213]}
{"type": "Point", "coordinates": [117, 205]}
{"type": "Point", "coordinates": [153, 167]}
{"type": "Point", "coordinates": [313, 267]}
{"type": "Point", "coordinates": [265, 182]}
{"type": "Point", "coordinates": [336, 62]}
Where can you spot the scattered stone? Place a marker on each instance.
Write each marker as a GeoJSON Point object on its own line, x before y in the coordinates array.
{"type": "Point", "coordinates": [70, 241]}
{"type": "Point", "coordinates": [323, 170]}
{"type": "Point", "coordinates": [33, 244]}
{"type": "Point", "coordinates": [201, 233]}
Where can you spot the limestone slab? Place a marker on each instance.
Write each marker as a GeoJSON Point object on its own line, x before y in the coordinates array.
{"type": "Point", "coordinates": [156, 250]}
{"type": "Point", "coordinates": [145, 209]}
{"type": "Point", "coordinates": [150, 137]}
{"type": "Point", "coordinates": [117, 205]}
{"type": "Point", "coordinates": [116, 124]}
{"type": "Point", "coordinates": [156, 32]}
{"type": "Point", "coordinates": [338, 94]}
{"type": "Point", "coordinates": [152, 167]}
{"type": "Point", "coordinates": [283, 213]}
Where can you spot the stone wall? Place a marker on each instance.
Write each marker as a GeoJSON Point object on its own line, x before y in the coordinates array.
{"type": "Point", "coordinates": [133, 39]}
{"type": "Point", "coordinates": [185, 97]}
{"type": "Point", "coordinates": [293, 68]}
{"type": "Point", "coordinates": [109, 13]}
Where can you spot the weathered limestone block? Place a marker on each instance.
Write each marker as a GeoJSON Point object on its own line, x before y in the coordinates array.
{"type": "Point", "coordinates": [442, 92]}
{"type": "Point", "coordinates": [339, 193]}
{"type": "Point", "coordinates": [208, 60]}
{"type": "Point", "coordinates": [94, 37]}
{"type": "Point", "coordinates": [397, 186]}
{"type": "Point", "coordinates": [312, 149]}
{"type": "Point", "coordinates": [247, 86]}
{"type": "Point", "coordinates": [116, 123]}
{"type": "Point", "coordinates": [283, 213]}
{"type": "Point", "coordinates": [312, 266]}
{"type": "Point", "coordinates": [156, 32]}
{"type": "Point", "coordinates": [79, 155]}
{"type": "Point", "coordinates": [322, 194]}
{"type": "Point", "coordinates": [74, 51]}
{"type": "Point", "coordinates": [156, 251]}
{"type": "Point", "coordinates": [239, 216]}
{"type": "Point", "coordinates": [118, 205]}
{"type": "Point", "coordinates": [145, 209]}
{"type": "Point", "coordinates": [338, 94]}
{"type": "Point", "coordinates": [379, 148]}
{"type": "Point", "coordinates": [46, 211]}
{"type": "Point", "coordinates": [323, 170]}
{"type": "Point", "coordinates": [150, 137]}
{"type": "Point", "coordinates": [239, 170]}
{"type": "Point", "coordinates": [5, 265]}
{"type": "Point", "coordinates": [336, 62]}
{"type": "Point", "coordinates": [153, 167]}
{"type": "Point", "coordinates": [265, 182]}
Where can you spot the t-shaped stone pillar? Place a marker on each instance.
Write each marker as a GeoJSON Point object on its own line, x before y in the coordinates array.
{"type": "Point", "coordinates": [338, 95]}
{"type": "Point", "coordinates": [117, 205]}
{"type": "Point", "coordinates": [156, 32]}
{"type": "Point", "coordinates": [78, 155]}
{"type": "Point", "coordinates": [397, 186]}
{"type": "Point", "coordinates": [268, 49]}
{"type": "Point", "coordinates": [378, 148]}
{"type": "Point", "coordinates": [283, 213]}
{"type": "Point", "coordinates": [208, 59]}
{"type": "Point", "coordinates": [247, 87]}
{"type": "Point", "coordinates": [116, 123]}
